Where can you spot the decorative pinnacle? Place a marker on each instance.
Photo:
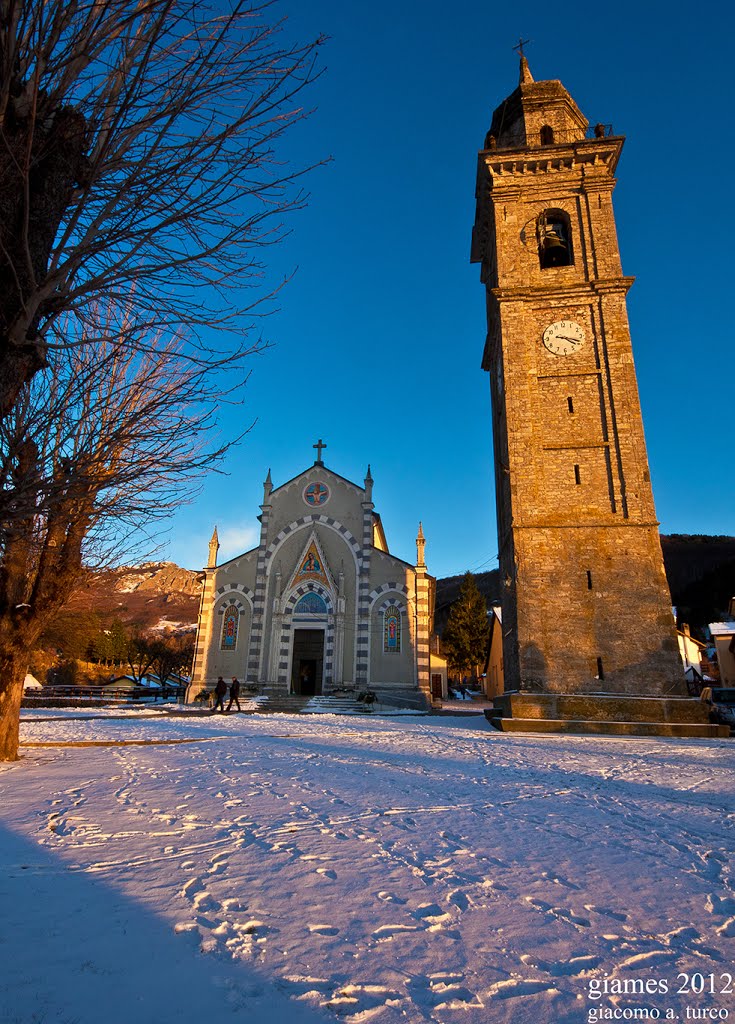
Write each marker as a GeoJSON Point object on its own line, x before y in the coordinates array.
{"type": "Point", "coordinates": [525, 76]}
{"type": "Point", "coordinates": [213, 548]}
{"type": "Point", "coordinates": [420, 545]}
{"type": "Point", "coordinates": [267, 486]}
{"type": "Point", "coordinates": [525, 73]}
{"type": "Point", "coordinates": [368, 485]}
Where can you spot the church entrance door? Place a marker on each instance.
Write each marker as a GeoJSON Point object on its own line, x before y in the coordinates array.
{"type": "Point", "coordinates": [308, 661]}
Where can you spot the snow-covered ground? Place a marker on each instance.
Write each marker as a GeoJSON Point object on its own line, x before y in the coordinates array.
{"type": "Point", "coordinates": [286, 870]}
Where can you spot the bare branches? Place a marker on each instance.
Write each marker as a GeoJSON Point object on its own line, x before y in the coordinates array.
{"type": "Point", "coordinates": [138, 149]}
{"type": "Point", "coordinates": [111, 440]}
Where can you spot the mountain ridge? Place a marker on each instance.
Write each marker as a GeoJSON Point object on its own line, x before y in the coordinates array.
{"type": "Point", "coordinates": [162, 595]}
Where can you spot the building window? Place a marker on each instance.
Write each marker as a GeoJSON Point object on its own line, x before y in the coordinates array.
{"type": "Point", "coordinates": [577, 477]}
{"type": "Point", "coordinates": [392, 630]}
{"type": "Point", "coordinates": [230, 626]}
{"type": "Point", "coordinates": [547, 135]}
{"type": "Point", "coordinates": [554, 232]}
{"type": "Point", "coordinates": [310, 604]}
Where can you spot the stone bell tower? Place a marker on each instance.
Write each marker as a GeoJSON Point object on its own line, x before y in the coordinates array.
{"type": "Point", "coordinates": [586, 607]}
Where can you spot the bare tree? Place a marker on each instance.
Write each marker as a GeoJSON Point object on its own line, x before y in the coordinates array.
{"type": "Point", "coordinates": [111, 441]}
{"type": "Point", "coordinates": [139, 654]}
{"type": "Point", "coordinates": [137, 149]}
{"type": "Point", "coordinates": [172, 653]}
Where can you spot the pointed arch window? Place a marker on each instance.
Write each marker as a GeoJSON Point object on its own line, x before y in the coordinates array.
{"type": "Point", "coordinates": [554, 233]}
{"type": "Point", "coordinates": [230, 626]}
{"type": "Point", "coordinates": [392, 630]}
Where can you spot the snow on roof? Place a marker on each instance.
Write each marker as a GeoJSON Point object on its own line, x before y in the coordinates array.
{"type": "Point", "coordinates": [31, 683]}
{"type": "Point", "coordinates": [722, 628]}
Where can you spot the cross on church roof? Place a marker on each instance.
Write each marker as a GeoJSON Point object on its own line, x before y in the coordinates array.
{"type": "Point", "coordinates": [319, 445]}
{"type": "Point", "coordinates": [521, 43]}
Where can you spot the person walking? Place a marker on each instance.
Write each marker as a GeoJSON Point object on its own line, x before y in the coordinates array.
{"type": "Point", "coordinates": [234, 693]}
{"type": "Point", "coordinates": [219, 695]}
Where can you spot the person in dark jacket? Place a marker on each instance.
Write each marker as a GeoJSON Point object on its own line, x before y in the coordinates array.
{"type": "Point", "coordinates": [234, 693]}
{"type": "Point", "coordinates": [219, 695]}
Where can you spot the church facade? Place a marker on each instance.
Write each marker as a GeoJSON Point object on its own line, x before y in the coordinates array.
{"type": "Point", "coordinates": [321, 605]}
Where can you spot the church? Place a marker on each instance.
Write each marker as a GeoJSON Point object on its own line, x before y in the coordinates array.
{"type": "Point", "coordinates": [321, 606]}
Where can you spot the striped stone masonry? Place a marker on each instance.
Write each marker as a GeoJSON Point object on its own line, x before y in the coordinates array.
{"type": "Point", "coordinates": [423, 674]}
{"type": "Point", "coordinates": [384, 588]}
{"type": "Point", "coordinates": [362, 647]}
{"type": "Point", "coordinates": [204, 630]}
{"type": "Point", "coordinates": [232, 590]}
{"type": "Point", "coordinates": [316, 519]}
{"type": "Point", "coordinates": [256, 631]}
{"type": "Point", "coordinates": [287, 626]}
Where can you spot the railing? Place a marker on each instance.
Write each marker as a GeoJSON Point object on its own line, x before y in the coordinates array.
{"type": "Point", "coordinates": [60, 692]}
{"type": "Point", "coordinates": [594, 131]}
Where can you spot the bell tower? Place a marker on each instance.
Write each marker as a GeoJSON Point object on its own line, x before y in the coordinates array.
{"type": "Point", "coordinates": [586, 607]}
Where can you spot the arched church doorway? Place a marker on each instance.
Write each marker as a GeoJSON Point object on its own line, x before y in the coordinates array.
{"type": "Point", "coordinates": [307, 664]}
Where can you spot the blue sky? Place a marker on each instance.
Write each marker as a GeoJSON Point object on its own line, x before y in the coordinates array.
{"type": "Point", "coordinates": [378, 340]}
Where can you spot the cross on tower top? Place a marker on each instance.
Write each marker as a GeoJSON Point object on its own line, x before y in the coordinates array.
{"type": "Point", "coordinates": [520, 44]}
{"type": "Point", "coordinates": [319, 445]}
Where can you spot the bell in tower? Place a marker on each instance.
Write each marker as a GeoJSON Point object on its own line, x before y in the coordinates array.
{"type": "Point", "coordinates": [554, 245]}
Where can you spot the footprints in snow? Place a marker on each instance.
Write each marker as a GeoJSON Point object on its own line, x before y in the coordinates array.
{"type": "Point", "coordinates": [358, 1000]}
{"type": "Point", "coordinates": [723, 906]}
{"type": "Point", "coordinates": [571, 968]}
{"type": "Point", "coordinates": [226, 924]}
{"type": "Point", "coordinates": [560, 913]}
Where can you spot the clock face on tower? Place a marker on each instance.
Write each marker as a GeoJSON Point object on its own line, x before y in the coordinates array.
{"type": "Point", "coordinates": [564, 337]}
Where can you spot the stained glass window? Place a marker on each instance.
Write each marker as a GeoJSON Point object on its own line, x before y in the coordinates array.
{"type": "Point", "coordinates": [392, 630]}
{"type": "Point", "coordinates": [311, 603]}
{"type": "Point", "coordinates": [229, 628]}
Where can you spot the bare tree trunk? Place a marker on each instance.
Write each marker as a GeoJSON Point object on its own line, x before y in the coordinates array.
{"type": "Point", "coordinates": [13, 668]}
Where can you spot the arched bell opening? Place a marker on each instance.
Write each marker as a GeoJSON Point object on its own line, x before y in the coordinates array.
{"type": "Point", "coordinates": [554, 233]}
{"type": "Point", "coordinates": [547, 135]}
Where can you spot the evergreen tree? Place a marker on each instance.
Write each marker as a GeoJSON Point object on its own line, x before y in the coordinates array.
{"type": "Point", "coordinates": [467, 630]}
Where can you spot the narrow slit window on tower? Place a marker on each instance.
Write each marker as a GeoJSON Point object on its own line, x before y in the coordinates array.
{"type": "Point", "coordinates": [589, 579]}
{"type": "Point", "coordinates": [554, 232]}
{"type": "Point", "coordinates": [600, 672]}
{"type": "Point", "coordinates": [577, 477]}
{"type": "Point", "coordinates": [570, 404]}
{"type": "Point", "coordinates": [547, 135]}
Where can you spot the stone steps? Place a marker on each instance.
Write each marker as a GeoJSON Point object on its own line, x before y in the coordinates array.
{"type": "Point", "coordinates": [600, 728]}
{"type": "Point", "coordinates": [294, 704]}
{"type": "Point", "coordinates": [326, 705]}
{"type": "Point", "coordinates": [612, 714]}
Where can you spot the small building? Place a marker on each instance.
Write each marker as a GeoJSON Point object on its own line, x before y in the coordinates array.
{"type": "Point", "coordinates": [690, 651]}
{"type": "Point", "coordinates": [494, 683]}
{"type": "Point", "coordinates": [437, 671]}
{"type": "Point", "coordinates": [723, 635]}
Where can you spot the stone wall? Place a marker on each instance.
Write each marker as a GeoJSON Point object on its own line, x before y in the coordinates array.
{"type": "Point", "coordinates": [586, 606]}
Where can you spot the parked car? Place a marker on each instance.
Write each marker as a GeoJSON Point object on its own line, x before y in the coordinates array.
{"type": "Point", "coordinates": [721, 704]}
